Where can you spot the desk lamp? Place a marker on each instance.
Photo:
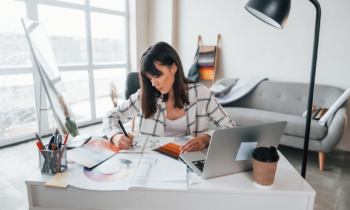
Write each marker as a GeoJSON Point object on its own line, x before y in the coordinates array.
{"type": "Point", "coordinates": [275, 13]}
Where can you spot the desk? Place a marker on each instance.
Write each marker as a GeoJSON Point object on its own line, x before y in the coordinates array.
{"type": "Point", "coordinates": [237, 191]}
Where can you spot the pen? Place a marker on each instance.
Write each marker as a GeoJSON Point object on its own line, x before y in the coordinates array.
{"type": "Point", "coordinates": [122, 127]}
{"type": "Point", "coordinates": [56, 141]}
{"type": "Point", "coordinates": [60, 155]}
{"type": "Point", "coordinates": [51, 142]}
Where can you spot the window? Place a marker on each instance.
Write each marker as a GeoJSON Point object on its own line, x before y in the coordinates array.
{"type": "Point", "coordinates": [89, 41]}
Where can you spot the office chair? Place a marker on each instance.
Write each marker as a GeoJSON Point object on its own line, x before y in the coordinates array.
{"type": "Point", "coordinates": [132, 84]}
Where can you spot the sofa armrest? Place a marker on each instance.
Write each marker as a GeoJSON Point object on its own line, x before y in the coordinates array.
{"type": "Point", "coordinates": [335, 129]}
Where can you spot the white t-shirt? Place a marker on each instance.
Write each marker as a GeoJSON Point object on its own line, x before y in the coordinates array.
{"type": "Point", "coordinates": [176, 128]}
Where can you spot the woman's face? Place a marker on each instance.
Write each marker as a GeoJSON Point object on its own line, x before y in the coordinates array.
{"type": "Point", "coordinates": [164, 83]}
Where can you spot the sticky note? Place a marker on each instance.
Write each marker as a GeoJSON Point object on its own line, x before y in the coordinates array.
{"type": "Point", "coordinates": [185, 138]}
{"type": "Point", "coordinates": [245, 151]}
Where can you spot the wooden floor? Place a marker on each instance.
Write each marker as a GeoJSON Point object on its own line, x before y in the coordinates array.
{"type": "Point", "coordinates": [332, 185]}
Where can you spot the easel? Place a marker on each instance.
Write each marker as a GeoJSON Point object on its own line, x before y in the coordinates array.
{"type": "Point", "coordinates": [216, 57]}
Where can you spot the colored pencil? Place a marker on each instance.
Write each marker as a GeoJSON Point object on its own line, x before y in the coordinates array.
{"type": "Point", "coordinates": [39, 139]}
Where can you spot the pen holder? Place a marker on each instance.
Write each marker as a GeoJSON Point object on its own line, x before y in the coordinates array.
{"type": "Point", "coordinates": [52, 162]}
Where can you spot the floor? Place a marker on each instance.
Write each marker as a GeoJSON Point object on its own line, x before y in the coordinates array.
{"type": "Point", "coordinates": [332, 185]}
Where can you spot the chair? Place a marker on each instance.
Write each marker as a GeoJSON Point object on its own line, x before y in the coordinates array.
{"type": "Point", "coordinates": [132, 84]}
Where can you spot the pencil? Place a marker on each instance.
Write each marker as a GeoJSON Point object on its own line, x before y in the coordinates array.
{"type": "Point", "coordinates": [39, 139]}
{"type": "Point", "coordinates": [65, 141]}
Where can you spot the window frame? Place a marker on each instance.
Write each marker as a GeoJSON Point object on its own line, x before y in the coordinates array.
{"type": "Point", "coordinates": [90, 67]}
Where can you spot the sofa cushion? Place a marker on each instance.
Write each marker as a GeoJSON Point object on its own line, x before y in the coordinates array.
{"type": "Point", "coordinates": [295, 125]}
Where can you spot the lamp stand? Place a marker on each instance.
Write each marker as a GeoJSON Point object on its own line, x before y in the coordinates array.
{"type": "Point", "coordinates": [311, 88]}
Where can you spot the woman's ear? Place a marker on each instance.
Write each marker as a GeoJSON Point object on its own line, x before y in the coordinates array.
{"type": "Point", "coordinates": [173, 68]}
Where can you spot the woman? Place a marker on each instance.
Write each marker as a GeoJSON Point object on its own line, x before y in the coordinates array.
{"type": "Point", "coordinates": [168, 104]}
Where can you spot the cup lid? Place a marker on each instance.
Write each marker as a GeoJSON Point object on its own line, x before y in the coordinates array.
{"type": "Point", "coordinates": [266, 154]}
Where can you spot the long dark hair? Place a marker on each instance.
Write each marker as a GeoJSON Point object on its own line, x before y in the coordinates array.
{"type": "Point", "coordinates": [165, 55]}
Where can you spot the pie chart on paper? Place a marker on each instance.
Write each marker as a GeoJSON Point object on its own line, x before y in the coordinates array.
{"type": "Point", "coordinates": [109, 172]}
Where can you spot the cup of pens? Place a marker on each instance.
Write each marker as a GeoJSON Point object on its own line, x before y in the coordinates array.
{"type": "Point", "coordinates": [53, 156]}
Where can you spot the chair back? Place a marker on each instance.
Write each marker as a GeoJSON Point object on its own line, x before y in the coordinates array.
{"type": "Point", "coordinates": [132, 84]}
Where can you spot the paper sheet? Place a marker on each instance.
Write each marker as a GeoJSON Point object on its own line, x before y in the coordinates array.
{"type": "Point", "coordinates": [157, 167]}
{"type": "Point", "coordinates": [93, 153]}
{"type": "Point", "coordinates": [156, 142]}
{"type": "Point", "coordinates": [245, 150]}
{"type": "Point", "coordinates": [154, 169]}
{"type": "Point", "coordinates": [137, 146]}
{"type": "Point", "coordinates": [146, 144]}
{"type": "Point", "coordinates": [334, 107]}
{"type": "Point", "coordinates": [193, 178]}
{"type": "Point", "coordinates": [120, 171]}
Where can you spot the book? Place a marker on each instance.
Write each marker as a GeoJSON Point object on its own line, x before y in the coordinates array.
{"type": "Point", "coordinates": [315, 113]}
{"type": "Point", "coordinates": [58, 181]}
{"type": "Point", "coordinates": [321, 113]}
{"type": "Point", "coordinates": [314, 108]}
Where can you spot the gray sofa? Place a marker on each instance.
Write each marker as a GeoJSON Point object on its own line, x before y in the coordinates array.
{"type": "Point", "coordinates": [273, 101]}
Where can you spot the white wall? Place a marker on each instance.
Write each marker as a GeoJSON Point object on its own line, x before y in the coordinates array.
{"type": "Point", "coordinates": [150, 21]}
{"type": "Point", "coordinates": [161, 19]}
{"type": "Point", "coordinates": [249, 47]}
{"type": "Point", "coordinates": [138, 31]}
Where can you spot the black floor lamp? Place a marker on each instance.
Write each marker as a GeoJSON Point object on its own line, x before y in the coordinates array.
{"type": "Point", "coordinates": [275, 13]}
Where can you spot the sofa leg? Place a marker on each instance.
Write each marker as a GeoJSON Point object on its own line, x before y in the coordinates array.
{"type": "Point", "coordinates": [321, 156]}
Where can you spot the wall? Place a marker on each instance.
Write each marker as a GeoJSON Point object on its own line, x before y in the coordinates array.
{"type": "Point", "coordinates": [150, 21]}
{"type": "Point", "coordinates": [161, 21]}
{"type": "Point", "coordinates": [249, 47]}
{"type": "Point", "coordinates": [138, 31]}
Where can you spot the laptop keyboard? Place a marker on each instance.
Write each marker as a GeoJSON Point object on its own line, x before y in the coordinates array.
{"type": "Point", "coordinates": [199, 164]}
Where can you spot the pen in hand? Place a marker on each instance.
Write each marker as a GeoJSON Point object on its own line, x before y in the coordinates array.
{"type": "Point", "coordinates": [122, 127]}
{"type": "Point", "coordinates": [125, 141]}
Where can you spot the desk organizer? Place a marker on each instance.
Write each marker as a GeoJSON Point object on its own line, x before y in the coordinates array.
{"type": "Point", "coordinates": [52, 162]}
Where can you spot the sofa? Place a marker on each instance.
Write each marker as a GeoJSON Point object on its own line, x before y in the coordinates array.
{"type": "Point", "coordinates": [273, 101]}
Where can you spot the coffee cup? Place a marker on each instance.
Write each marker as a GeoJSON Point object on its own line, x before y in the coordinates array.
{"type": "Point", "coordinates": [265, 161]}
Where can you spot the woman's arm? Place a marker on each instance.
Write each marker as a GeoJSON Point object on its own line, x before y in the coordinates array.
{"type": "Point", "coordinates": [216, 113]}
{"type": "Point", "coordinates": [124, 112]}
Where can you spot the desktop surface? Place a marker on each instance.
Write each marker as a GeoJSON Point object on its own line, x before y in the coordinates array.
{"type": "Point", "coordinates": [289, 187]}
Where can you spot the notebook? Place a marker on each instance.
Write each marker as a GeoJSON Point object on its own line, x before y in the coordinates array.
{"type": "Point", "coordinates": [58, 181]}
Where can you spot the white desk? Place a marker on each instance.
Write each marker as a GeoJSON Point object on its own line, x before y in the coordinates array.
{"type": "Point", "coordinates": [237, 191]}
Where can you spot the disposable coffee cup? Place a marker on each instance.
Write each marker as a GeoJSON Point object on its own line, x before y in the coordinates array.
{"type": "Point", "coordinates": [265, 161]}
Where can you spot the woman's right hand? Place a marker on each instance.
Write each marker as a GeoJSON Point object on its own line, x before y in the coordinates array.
{"type": "Point", "coordinates": [122, 141]}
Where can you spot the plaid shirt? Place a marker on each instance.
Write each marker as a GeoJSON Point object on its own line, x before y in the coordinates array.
{"type": "Point", "coordinates": [203, 107]}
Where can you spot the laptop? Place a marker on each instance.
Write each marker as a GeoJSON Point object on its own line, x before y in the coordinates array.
{"type": "Point", "coordinates": [221, 158]}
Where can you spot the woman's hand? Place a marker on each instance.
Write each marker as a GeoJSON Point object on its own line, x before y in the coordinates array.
{"type": "Point", "coordinates": [122, 141]}
{"type": "Point", "coordinates": [195, 144]}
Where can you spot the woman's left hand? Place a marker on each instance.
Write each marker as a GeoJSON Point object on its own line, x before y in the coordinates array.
{"type": "Point", "coordinates": [195, 144]}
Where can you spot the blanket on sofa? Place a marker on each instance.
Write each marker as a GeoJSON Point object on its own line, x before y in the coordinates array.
{"type": "Point", "coordinates": [242, 87]}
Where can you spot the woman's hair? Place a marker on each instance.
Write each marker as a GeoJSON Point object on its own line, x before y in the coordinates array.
{"type": "Point", "coordinates": [163, 54]}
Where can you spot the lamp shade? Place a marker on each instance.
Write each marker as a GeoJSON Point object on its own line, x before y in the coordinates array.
{"type": "Point", "coordinates": [272, 12]}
